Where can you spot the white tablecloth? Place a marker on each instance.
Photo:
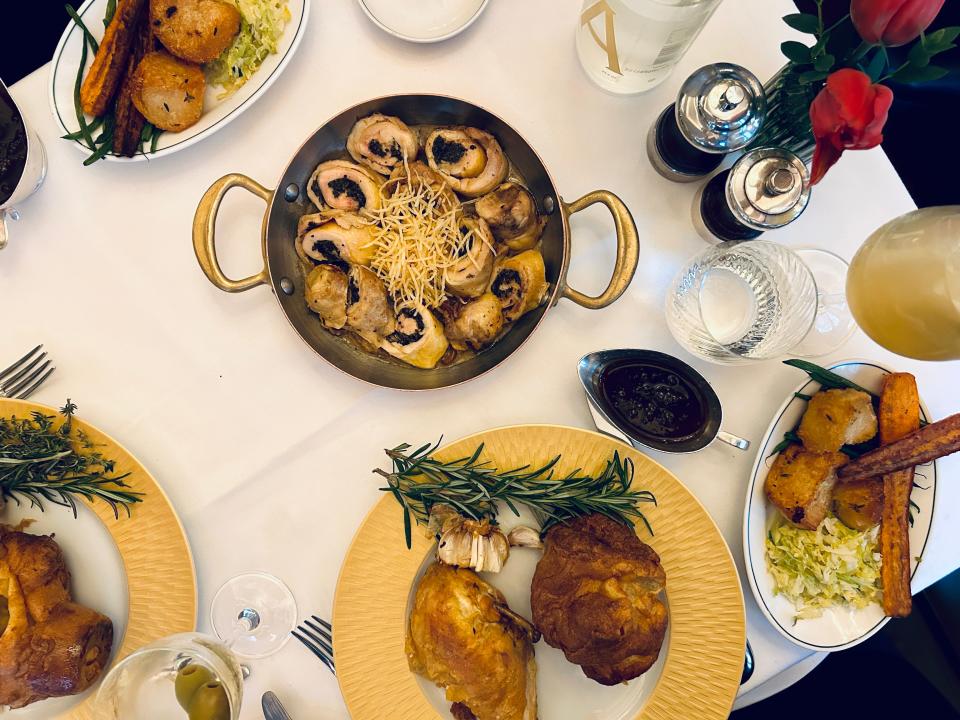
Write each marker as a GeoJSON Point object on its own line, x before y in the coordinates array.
{"type": "Point", "coordinates": [264, 449]}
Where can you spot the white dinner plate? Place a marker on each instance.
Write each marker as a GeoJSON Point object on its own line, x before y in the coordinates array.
{"type": "Point", "coordinates": [216, 113]}
{"type": "Point", "coordinates": [97, 578]}
{"type": "Point", "coordinates": [839, 627]}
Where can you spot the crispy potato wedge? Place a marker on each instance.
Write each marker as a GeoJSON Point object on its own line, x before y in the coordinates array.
{"type": "Point", "coordinates": [194, 30]}
{"type": "Point", "coordinates": [899, 416]}
{"type": "Point", "coordinates": [110, 63]}
{"type": "Point", "coordinates": [859, 504]}
{"type": "Point", "coordinates": [168, 91]}
{"type": "Point", "coordinates": [930, 442]}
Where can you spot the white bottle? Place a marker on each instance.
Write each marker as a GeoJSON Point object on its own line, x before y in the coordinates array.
{"type": "Point", "coordinates": [629, 46]}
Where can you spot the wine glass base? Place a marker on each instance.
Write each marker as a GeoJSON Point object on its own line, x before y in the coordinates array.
{"type": "Point", "coordinates": [258, 600]}
{"type": "Point", "coordinates": [833, 324]}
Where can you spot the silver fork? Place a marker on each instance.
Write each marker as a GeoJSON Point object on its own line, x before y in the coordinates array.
{"type": "Point", "coordinates": [316, 634]}
{"type": "Point", "coordinates": [21, 379]}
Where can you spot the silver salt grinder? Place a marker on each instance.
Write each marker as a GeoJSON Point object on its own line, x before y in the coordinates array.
{"type": "Point", "coordinates": [720, 108]}
{"type": "Point", "coordinates": [766, 189]}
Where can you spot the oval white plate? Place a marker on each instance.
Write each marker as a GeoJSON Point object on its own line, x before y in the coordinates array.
{"type": "Point", "coordinates": [216, 114]}
{"type": "Point", "coordinates": [423, 21]}
{"type": "Point", "coordinates": [839, 627]}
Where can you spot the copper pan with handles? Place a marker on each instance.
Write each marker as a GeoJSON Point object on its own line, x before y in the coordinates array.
{"type": "Point", "coordinates": [287, 201]}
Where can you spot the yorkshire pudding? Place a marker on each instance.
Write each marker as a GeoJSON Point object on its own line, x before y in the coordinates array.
{"type": "Point", "coordinates": [595, 596]}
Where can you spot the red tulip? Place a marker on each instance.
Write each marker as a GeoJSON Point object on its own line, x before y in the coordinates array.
{"type": "Point", "coordinates": [848, 114]}
{"type": "Point", "coordinates": [893, 22]}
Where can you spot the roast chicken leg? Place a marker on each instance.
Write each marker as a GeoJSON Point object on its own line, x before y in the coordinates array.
{"type": "Point", "coordinates": [49, 645]}
{"type": "Point", "coordinates": [463, 637]}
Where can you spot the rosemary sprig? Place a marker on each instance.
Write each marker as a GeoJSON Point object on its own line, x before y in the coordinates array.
{"type": "Point", "coordinates": [40, 462]}
{"type": "Point", "coordinates": [474, 487]}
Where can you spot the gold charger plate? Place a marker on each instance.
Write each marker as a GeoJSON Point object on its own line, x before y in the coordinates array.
{"type": "Point", "coordinates": [161, 579]}
{"type": "Point", "coordinates": [706, 639]}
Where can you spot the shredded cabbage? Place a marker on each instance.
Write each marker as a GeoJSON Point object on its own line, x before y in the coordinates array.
{"type": "Point", "coordinates": [817, 569]}
{"type": "Point", "coordinates": [261, 27]}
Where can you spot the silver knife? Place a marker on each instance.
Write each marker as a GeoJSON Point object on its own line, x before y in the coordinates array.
{"type": "Point", "coordinates": [272, 709]}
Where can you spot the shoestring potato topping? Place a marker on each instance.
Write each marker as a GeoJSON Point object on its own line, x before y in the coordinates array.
{"type": "Point", "coordinates": [425, 255]}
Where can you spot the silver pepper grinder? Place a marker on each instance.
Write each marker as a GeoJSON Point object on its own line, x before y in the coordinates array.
{"type": "Point", "coordinates": [719, 109]}
{"type": "Point", "coordinates": [766, 189]}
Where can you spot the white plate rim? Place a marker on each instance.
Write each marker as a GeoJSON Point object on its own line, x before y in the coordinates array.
{"type": "Point", "coordinates": [754, 473]}
{"type": "Point", "coordinates": [423, 40]}
{"type": "Point", "coordinates": [190, 139]}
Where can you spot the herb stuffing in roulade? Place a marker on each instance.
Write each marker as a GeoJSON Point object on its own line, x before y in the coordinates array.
{"type": "Point", "coordinates": [418, 338]}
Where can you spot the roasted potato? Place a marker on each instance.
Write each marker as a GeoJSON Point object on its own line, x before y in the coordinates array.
{"type": "Point", "coordinates": [167, 91]}
{"type": "Point", "coordinates": [801, 482]}
{"type": "Point", "coordinates": [859, 504]}
{"type": "Point", "coordinates": [835, 418]}
{"type": "Point", "coordinates": [195, 30]}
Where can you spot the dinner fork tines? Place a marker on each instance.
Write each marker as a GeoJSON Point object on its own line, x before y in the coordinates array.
{"type": "Point", "coordinates": [317, 634]}
{"type": "Point", "coordinates": [21, 379]}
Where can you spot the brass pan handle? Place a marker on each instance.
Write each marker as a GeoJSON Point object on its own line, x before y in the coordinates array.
{"type": "Point", "coordinates": [628, 249]}
{"type": "Point", "coordinates": [204, 231]}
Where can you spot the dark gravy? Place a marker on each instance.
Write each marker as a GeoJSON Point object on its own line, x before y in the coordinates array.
{"type": "Point", "coordinates": [652, 400]}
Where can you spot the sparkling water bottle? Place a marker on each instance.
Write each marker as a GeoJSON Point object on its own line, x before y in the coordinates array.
{"type": "Point", "coordinates": [629, 46]}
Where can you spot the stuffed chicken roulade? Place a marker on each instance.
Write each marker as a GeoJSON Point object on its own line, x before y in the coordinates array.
{"type": "Point", "coordinates": [369, 312]}
{"type": "Point", "coordinates": [469, 275]}
{"type": "Point", "coordinates": [339, 241]}
{"type": "Point", "coordinates": [326, 295]}
{"type": "Point", "coordinates": [473, 325]}
{"type": "Point", "coordinates": [343, 185]}
{"type": "Point", "coordinates": [381, 142]}
{"type": "Point", "coordinates": [519, 283]}
{"type": "Point", "coordinates": [511, 213]}
{"type": "Point", "coordinates": [470, 160]}
{"type": "Point", "coordinates": [418, 339]}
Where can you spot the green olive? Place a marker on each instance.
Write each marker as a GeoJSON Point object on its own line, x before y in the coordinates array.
{"type": "Point", "coordinates": [190, 678]}
{"type": "Point", "coordinates": [210, 703]}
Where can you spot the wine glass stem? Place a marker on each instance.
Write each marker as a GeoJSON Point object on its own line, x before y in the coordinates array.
{"type": "Point", "coordinates": [247, 621]}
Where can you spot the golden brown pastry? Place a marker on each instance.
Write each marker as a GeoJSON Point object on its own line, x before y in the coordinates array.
{"type": "Point", "coordinates": [50, 646]}
{"type": "Point", "coordinates": [463, 637]}
{"type": "Point", "coordinates": [596, 596]}
{"type": "Point", "coordinates": [195, 30]}
{"type": "Point", "coordinates": [167, 91]}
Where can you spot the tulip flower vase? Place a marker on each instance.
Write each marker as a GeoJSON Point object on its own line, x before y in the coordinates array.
{"type": "Point", "coordinates": [831, 97]}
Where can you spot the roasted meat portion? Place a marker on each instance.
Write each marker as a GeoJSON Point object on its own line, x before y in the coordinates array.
{"type": "Point", "coordinates": [463, 637]}
{"type": "Point", "coordinates": [49, 646]}
{"type": "Point", "coordinates": [596, 596]}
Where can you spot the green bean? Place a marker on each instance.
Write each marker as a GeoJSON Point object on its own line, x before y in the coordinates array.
{"type": "Point", "coordinates": [826, 378]}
